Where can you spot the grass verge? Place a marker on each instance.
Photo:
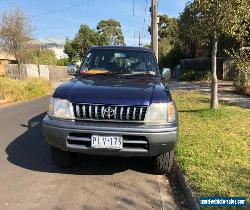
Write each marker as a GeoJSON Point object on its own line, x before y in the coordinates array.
{"type": "Point", "coordinates": [214, 146]}
{"type": "Point", "coordinates": [12, 90]}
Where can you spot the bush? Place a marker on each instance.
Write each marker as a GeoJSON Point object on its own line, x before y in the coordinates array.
{"type": "Point", "coordinates": [43, 57]}
{"type": "Point", "coordinates": [62, 62]}
{"type": "Point", "coordinates": [240, 80]}
{"type": "Point", "coordinates": [242, 73]}
{"type": "Point", "coordinates": [172, 58]}
{"type": "Point", "coordinates": [192, 75]}
{"type": "Point", "coordinates": [246, 90]}
{"type": "Point", "coordinates": [13, 90]}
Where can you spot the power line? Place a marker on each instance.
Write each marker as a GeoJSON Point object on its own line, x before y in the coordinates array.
{"type": "Point", "coordinates": [144, 21]}
{"type": "Point", "coordinates": [134, 19]}
{"type": "Point", "coordinates": [61, 9]}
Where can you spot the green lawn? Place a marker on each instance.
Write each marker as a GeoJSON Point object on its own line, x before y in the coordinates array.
{"type": "Point", "coordinates": [214, 146]}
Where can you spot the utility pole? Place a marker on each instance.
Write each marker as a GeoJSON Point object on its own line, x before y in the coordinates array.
{"type": "Point", "coordinates": [154, 27]}
{"type": "Point", "coordinates": [140, 39]}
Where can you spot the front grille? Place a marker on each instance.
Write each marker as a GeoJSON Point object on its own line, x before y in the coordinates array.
{"type": "Point", "coordinates": [112, 112]}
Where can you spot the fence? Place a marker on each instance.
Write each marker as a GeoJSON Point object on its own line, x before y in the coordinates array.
{"type": "Point", "coordinates": [49, 72]}
{"type": "Point", "coordinates": [225, 67]}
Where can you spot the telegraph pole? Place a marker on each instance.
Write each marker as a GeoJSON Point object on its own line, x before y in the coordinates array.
{"type": "Point", "coordinates": [140, 39]}
{"type": "Point", "coordinates": [154, 27]}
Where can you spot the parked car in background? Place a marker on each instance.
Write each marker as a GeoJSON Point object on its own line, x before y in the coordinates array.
{"type": "Point", "coordinates": [116, 105]}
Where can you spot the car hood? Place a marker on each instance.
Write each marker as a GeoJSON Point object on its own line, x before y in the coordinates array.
{"type": "Point", "coordinates": [114, 91]}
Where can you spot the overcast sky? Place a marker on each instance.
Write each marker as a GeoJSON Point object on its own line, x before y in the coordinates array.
{"type": "Point", "coordinates": [61, 18]}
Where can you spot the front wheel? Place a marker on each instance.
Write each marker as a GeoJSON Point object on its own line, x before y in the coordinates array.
{"type": "Point", "coordinates": [164, 162]}
{"type": "Point", "coordinates": [62, 159]}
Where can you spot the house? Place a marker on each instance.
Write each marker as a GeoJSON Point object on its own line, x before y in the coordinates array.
{"type": "Point", "coordinates": [6, 58]}
{"type": "Point", "coordinates": [55, 45]}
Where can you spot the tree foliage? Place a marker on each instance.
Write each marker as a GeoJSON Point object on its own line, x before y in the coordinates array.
{"type": "Point", "coordinates": [169, 44]}
{"type": "Point", "coordinates": [15, 33]}
{"type": "Point", "coordinates": [110, 32]}
{"type": "Point", "coordinates": [43, 57]}
{"type": "Point", "coordinates": [62, 62]}
{"type": "Point", "coordinates": [70, 48]}
{"type": "Point", "coordinates": [84, 39]}
{"type": "Point", "coordinates": [202, 19]}
{"type": "Point", "coordinates": [209, 20]}
{"type": "Point", "coordinates": [168, 29]}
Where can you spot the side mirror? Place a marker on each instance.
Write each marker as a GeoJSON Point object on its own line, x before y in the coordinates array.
{"type": "Point", "coordinates": [72, 69]}
{"type": "Point", "coordinates": [166, 73]}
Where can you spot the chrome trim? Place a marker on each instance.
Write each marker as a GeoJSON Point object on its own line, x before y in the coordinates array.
{"type": "Point", "coordinates": [83, 111]}
{"type": "Point", "coordinates": [134, 111]}
{"type": "Point", "coordinates": [121, 113]}
{"type": "Point", "coordinates": [140, 114]}
{"type": "Point", "coordinates": [118, 105]}
{"type": "Point", "coordinates": [109, 120]}
{"type": "Point", "coordinates": [115, 112]}
{"type": "Point", "coordinates": [127, 115]}
{"type": "Point", "coordinates": [90, 111]}
{"type": "Point", "coordinates": [109, 112]}
{"type": "Point", "coordinates": [96, 112]}
{"type": "Point", "coordinates": [78, 110]}
{"type": "Point", "coordinates": [102, 112]}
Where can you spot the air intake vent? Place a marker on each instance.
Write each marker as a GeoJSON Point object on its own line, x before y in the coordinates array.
{"type": "Point", "coordinates": [112, 112]}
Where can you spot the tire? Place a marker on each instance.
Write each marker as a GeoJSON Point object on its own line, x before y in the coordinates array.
{"type": "Point", "coordinates": [62, 159]}
{"type": "Point", "coordinates": [164, 163]}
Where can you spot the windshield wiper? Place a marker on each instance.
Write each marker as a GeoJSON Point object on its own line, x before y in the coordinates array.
{"type": "Point", "coordinates": [85, 75]}
{"type": "Point", "coordinates": [141, 75]}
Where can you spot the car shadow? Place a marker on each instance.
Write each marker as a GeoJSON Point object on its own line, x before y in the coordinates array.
{"type": "Point", "coordinates": [31, 151]}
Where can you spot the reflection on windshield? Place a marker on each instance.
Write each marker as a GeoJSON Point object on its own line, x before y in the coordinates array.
{"type": "Point", "coordinates": [124, 62]}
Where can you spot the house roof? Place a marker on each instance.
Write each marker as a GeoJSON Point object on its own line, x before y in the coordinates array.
{"type": "Point", "coordinates": [6, 56]}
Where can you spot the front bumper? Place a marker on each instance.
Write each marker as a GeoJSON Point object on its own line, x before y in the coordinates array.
{"type": "Point", "coordinates": [139, 139]}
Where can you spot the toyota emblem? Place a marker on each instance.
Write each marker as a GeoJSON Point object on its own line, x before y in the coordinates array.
{"type": "Point", "coordinates": [108, 112]}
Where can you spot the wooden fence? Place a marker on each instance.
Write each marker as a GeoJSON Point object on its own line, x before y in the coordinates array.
{"type": "Point", "coordinates": [225, 67]}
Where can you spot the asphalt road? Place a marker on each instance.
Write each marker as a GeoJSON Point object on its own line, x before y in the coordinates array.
{"type": "Point", "coordinates": [29, 179]}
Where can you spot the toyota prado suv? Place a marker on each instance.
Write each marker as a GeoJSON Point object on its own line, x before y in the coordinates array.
{"type": "Point", "coordinates": [115, 105]}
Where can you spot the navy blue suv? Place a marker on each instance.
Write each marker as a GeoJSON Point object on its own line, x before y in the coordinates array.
{"type": "Point", "coordinates": [116, 105]}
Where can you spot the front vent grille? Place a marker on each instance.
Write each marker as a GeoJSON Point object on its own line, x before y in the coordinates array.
{"type": "Point", "coordinates": [112, 112]}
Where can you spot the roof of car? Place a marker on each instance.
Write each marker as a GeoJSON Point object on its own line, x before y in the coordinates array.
{"type": "Point", "coordinates": [123, 48]}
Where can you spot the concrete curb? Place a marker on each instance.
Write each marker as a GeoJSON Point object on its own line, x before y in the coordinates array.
{"type": "Point", "coordinates": [185, 188]}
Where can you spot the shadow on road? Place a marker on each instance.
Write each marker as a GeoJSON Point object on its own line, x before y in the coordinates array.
{"type": "Point", "coordinates": [31, 151]}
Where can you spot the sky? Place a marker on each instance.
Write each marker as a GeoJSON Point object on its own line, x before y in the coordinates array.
{"type": "Point", "coordinates": [61, 18]}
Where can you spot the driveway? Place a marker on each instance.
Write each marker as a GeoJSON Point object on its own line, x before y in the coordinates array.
{"type": "Point", "coordinates": [226, 91]}
{"type": "Point", "coordinates": [29, 179]}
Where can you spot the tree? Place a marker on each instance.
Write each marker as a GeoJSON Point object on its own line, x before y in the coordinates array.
{"type": "Point", "coordinates": [70, 48]}
{"type": "Point", "coordinates": [15, 32]}
{"type": "Point", "coordinates": [84, 39]}
{"type": "Point", "coordinates": [168, 29]}
{"type": "Point", "coordinates": [62, 62]}
{"type": "Point", "coordinates": [43, 57]}
{"type": "Point", "coordinates": [208, 20]}
{"type": "Point", "coordinates": [110, 32]}
{"type": "Point", "coordinates": [168, 38]}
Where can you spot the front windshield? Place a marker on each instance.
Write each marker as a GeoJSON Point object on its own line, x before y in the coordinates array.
{"type": "Point", "coordinates": [127, 62]}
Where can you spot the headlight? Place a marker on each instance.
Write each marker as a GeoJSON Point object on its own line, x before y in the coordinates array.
{"type": "Point", "coordinates": [161, 113]}
{"type": "Point", "coordinates": [60, 108]}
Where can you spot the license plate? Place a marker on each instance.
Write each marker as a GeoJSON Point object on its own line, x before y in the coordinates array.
{"type": "Point", "coordinates": [106, 142]}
